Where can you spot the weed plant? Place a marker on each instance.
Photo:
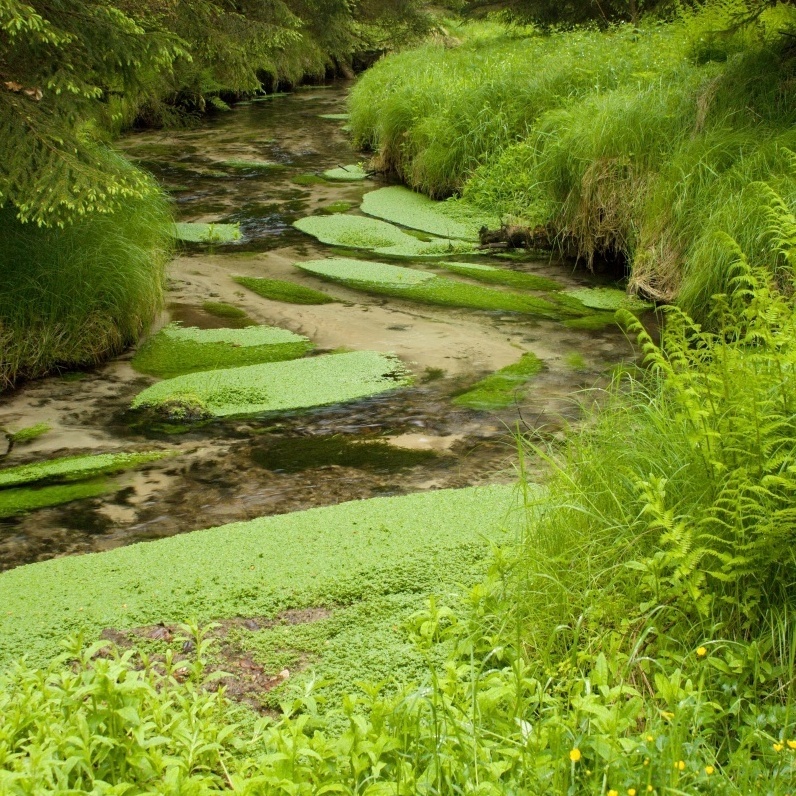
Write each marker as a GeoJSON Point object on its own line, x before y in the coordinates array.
{"type": "Point", "coordinates": [75, 295]}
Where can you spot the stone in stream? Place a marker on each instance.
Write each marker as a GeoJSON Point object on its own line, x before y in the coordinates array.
{"type": "Point", "coordinates": [176, 350]}
{"type": "Point", "coordinates": [278, 386]}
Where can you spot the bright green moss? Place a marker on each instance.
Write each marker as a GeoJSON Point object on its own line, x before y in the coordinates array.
{"type": "Point", "coordinates": [408, 283]}
{"type": "Point", "coordinates": [337, 207]}
{"type": "Point", "coordinates": [359, 232]}
{"type": "Point", "coordinates": [175, 350]}
{"type": "Point", "coordinates": [451, 219]}
{"type": "Point", "coordinates": [575, 360]}
{"type": "Point", "coordinates": [30, 433]}
{"type": "Point", "coordinates": [282, 290]}
{"type": "Point", "coordinates": [357, 551]}
{"type": "Point", "coordinates": [501, 276]}
{"type": "Point", "coordinates": [75, 468]}
{"type": "Point", "coordinates": [19, 501]}
{"type": "Point", "coordinates": [503, 387]}
{"type": "Point", "coordinates": [350, 173]}
{"type": "Point", "coordinates": [278, 386]}
{"type": "Point", "coordinates": [592, 323]}
{"type": "Point", "coordinates": [608, 298]}
{"type": "Point", "coordinates": [308, 179]}
{"type": "Point", "coordinates": [194, 232]}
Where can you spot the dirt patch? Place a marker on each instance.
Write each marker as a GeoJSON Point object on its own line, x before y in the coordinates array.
{"type": "Point", "coordinates": [244, 679]}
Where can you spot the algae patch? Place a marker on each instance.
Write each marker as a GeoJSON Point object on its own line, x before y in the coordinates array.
{"type": "Point", "coordinates": [502, 388]}
{"type": "Point", "coordinates": [359, 232]}
{"type": "Point", "coordinates": [75, 468]}
{"type": "Point", "coordinates": [195, 232]}
{"type": "Point", "coordinates": [501, 276]}
{"type": "Point", "coordinates": [409, 283]}
{"type": "Point", "coordinates": [451, 219]}
{"type": "Point", "coordinates": [335, 117]}
{"type": "Point", "coordinates": [19, 501]}
{"type": "Point", "coordinates": [608, 298]}
{"type": "Point", "coordinates": [176, 350]}
{"type": "Point", "coordinates": [221, 310]}
{"type": "Point", "coordinates": [351, 173]}
{"type": "Point", "coordinates": [282, 290]}
{"type": "Point", "coordinates": [279, 386]}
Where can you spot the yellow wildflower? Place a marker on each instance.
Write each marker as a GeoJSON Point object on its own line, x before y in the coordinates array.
{"type": "Point", "coordinates": [646, 761]}
{"type": "Point", "coordinates": [574, 755]}
{"type": "Point", "coordinates": [709, 770]}
{"type": "Point", "coordinates": [791, 744]}
{"type": "Point", "coordinates": [631, 792]}
{"type": "Point", "coordinates": [680, 765]}
{"type": "Point", "coordinates": [650, 789]}
{"type": "Point", "coordinates": [613, 792]}
{"type": "Point", "coordinates": [778, 747]}
{"type": "Point", "coordinates": [667, 715]}
{"type": "Point", "coordinates": [650, 738]}
{"type": "Point", "coordinates": [702, 651]}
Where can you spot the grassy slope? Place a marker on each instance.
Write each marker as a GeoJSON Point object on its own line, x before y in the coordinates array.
{"type": "Point", "coordinates": [374, 558]}
{"type": "Point", "coordinates": [644, 142]}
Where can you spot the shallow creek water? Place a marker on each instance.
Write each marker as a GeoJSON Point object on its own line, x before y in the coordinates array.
{"type": "Point", "coordinates": [240, 469]}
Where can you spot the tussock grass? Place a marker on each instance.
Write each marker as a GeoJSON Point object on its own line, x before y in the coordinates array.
{"type": "Point", "coordinates": [74, 296]}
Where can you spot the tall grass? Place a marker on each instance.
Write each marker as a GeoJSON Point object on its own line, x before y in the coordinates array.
{"type": "Point", "coordinates": [73, 296]}
{"type": "Point", "coordinates": [638, 143]}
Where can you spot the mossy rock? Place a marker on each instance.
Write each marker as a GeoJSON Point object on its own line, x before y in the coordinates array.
{"type": "Point", "coordinates": [416, 285]}
{"type": "Point", "coordinates": [194, 232]}
{"type": "Point", "coordinates": [282, 290]}
{"type": "Point", "coordinates": [280, 386]}
{"type": "Point", "coordinates": [75, 468]}
{"type": "Point", "coordinates": [501, 276]}
{"type": "Point", "coordinates": [359, 232]}
{"type": "Point", "coordinates": [14, 502]}
{"type": "Point", "coordinates": [451, 219]}
{"type": "Point", "coordinates": [176, 350]}
{"type": "Point", "coordinates": [608, 298]}
{"type": "Point", "coordinates": [351, 173]}
{"type": "Point", "coordinates": [502, 388]}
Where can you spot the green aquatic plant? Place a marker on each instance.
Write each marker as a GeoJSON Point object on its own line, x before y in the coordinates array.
{"type": "Point", "coordinates": [608, 298]}
{"type": "Point", "coordinates": [359, 232]}
{"type": "Point", "coordinates": [221, 309]}
{"type": "Point", "coordinates": [336, 207]}
{"type": "Point", "coordinates": [279, 386]}
{"type": "Point", "coordinates": [196, 232]}
{"type": "Point", "coordinates": [308, 179]}
{"type": "Point", "coordinates": [452, 219]}
{"type": "Point", "coordinates": [329, 556]}
{"type": "Point", "coordinates": [335, 117]}
{"type": "Point", "coordinates": [295, 454]}
{"type": "Point", "coordinates": [282, 290]}
{"type": "Point", "coordinates": [16, 501]}
{"type": "Point", "coordinates": [29, 433]}
{"type": "Point", "coordinates": [75, 468]}
{"type": "Point", "coordinates": [503, 387]}
{"type": "Point", "coordinates": [351, 173]}
{"type": "Point", "coordinates": [415, 285]}
{"type": "Point", "coordinates": [176, 350]}
{"type": "Point", "coordinates": [501, 276]}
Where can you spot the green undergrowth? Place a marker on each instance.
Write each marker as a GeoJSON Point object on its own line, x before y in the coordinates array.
{"type": "Point", "coordinates": [75, 468]}
{"type": "Point", "coordinates": [274, 386]}
{"type": "Point", "coordinates": [504, 387]}
{"type": "Point", "coordinates": [416, 285]}
{"type": "Point", "coordinates": [452, 219]}
{"type": "Point", "coordinates": [642, 142]}
{"type": "Point", "coordinates": [196, 232]}
{"type": "Point", "coordinates": [176, 350]}
{"type": "Point", "coordinates": [282, 290]}
{"type": "Point", "coordinates": [502, 276]}
{"type": "Point", "coordinates": [359, 232]}
{"type": "Point", "coordinates": [73, 296]}
{"type": "Point", "coordinates": [350, 173]}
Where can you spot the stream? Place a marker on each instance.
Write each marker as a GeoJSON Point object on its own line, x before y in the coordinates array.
{"type": "Point", "coordinates": [239, 469]}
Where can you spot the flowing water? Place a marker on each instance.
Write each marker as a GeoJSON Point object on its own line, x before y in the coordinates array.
{"type": "Point", "coordinates": [240, 469]}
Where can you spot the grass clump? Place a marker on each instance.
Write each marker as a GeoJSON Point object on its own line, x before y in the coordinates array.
{"type": "Point", "coordinates": [282, 290]}
{"type": "Point", "coordinates": [503, 387]}
{"type": "Point", "coordinates": [73, 296]}
{"type": "Point", "coordinates": [358, 232]}
{"type": "Point", "coordinates": [351, 173]}
{"type": "Point", "coordinates": [415, 285]}
{"type": "Point", "coordinates": [221, 309]}
{"type": "Point", "coordinates": [196, 232]}
{"type": "Point", "coordinates": [29, 433]}
{"type": "Point", "coordinates": [502, 276]}
{"type": "Point", "coordinates": [276, 386]}
{"type": "Point", "coordinates": [452, 219]}
{"type": "Point", "coordinates": [176, 350]}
